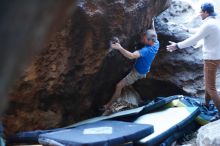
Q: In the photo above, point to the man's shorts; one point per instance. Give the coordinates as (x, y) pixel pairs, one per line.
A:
(132, 77)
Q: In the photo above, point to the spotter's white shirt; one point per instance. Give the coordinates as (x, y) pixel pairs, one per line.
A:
(210, 33)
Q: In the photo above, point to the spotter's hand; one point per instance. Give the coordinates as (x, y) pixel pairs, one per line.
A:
(172, 47)
(116, 46)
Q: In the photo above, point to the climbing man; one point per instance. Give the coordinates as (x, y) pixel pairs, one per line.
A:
(210, 33)
(144, 58)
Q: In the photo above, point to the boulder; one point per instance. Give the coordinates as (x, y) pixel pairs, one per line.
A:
(129, 99)
(209, 135)
(183, 68)
(24, 28)
(75, 74)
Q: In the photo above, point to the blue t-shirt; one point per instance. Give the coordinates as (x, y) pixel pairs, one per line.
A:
(147, 55)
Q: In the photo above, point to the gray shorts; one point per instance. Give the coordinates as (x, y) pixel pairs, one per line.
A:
(132, 77)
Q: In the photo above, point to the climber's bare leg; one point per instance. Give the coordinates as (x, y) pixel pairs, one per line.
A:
(116, 94)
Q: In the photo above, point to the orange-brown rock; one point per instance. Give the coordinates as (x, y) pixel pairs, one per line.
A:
(75, 74)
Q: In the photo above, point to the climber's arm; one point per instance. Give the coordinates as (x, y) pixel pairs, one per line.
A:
(125, 52)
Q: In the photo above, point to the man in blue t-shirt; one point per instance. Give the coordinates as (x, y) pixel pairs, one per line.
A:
(144, 56)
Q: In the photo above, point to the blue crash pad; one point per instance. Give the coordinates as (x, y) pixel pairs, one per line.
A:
(128, 115)
(2, 143)
(206, 113)
(103, 133)
(166, 123)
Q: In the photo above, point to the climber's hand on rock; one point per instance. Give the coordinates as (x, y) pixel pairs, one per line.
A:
(116, 46)
(172, 47)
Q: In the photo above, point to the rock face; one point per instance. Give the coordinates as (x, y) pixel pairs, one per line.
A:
(75, 74)
(129, 99)
(183, 67)
(24, 28)
(209, 135)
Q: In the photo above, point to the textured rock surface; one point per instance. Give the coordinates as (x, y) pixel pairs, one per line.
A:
(129, 99)
(209, 135)
(24, 28)
(75, 74)
(182, 67)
